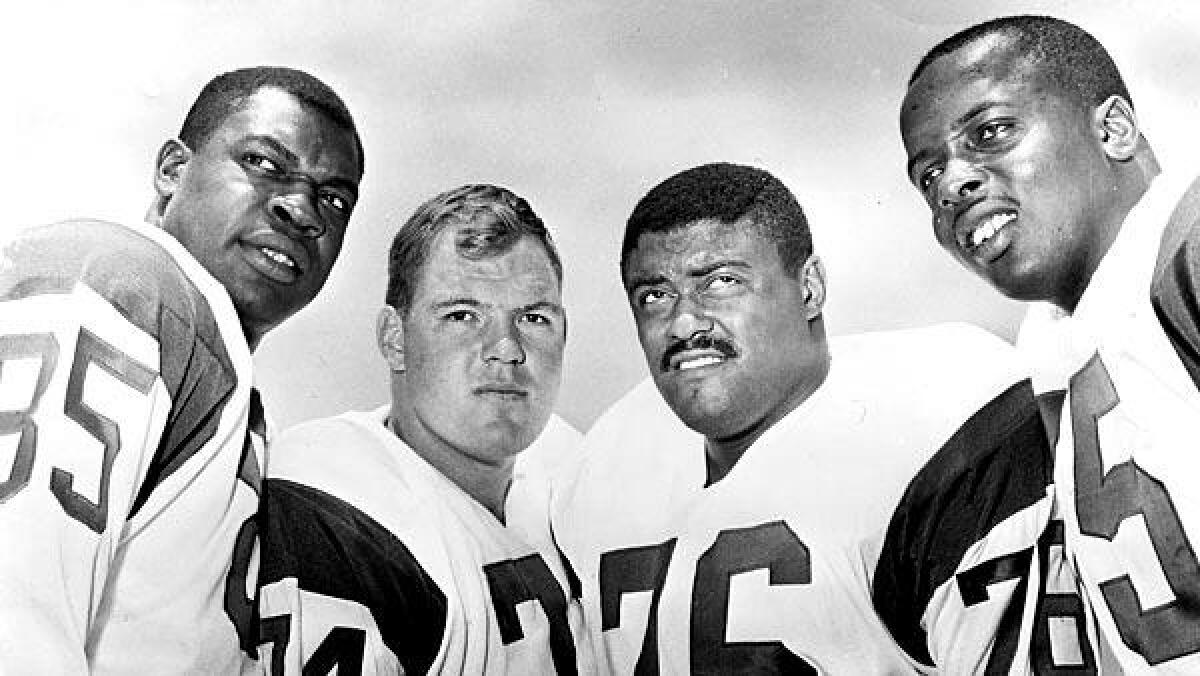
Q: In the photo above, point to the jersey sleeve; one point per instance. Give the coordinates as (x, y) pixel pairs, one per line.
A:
(958, 579)
(100, 338)
(338, 588)
(1175, 290)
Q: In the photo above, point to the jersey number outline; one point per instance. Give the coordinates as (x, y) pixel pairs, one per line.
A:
(528, 578)
(90, 350)
(972, 587)
(1105, 500)
(772, 546)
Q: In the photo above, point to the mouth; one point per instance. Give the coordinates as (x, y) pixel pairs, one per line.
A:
(981, 240)
(279, 260)
(279, 257)
(699, 359)
(501, 392)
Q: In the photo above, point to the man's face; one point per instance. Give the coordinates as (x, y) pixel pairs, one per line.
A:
(263, 204)
(1014, 172)
(483, 345)
(724, 329)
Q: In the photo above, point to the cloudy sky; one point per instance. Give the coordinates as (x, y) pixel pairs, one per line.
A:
(578, 106)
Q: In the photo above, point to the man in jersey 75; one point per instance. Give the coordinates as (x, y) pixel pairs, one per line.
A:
(401, 540)
(1021, 136)
(736, 528)
(127, 419)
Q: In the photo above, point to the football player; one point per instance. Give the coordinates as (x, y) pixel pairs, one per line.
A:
(1022, 138)
(737, 527)
(128, 420)
(401, 540)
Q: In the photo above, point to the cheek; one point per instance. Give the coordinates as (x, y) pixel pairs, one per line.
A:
(651, 337)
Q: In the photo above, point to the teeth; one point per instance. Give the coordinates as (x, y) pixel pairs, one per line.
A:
(278, 257)
(990, 227)
(697, 363)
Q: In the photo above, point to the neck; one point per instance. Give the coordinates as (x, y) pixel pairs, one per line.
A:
(1133, 180)
(487, 483)
(722, 453)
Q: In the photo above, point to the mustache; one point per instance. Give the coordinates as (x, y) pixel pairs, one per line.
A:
(701, 341)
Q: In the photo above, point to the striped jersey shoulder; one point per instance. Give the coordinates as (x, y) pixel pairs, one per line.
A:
(996, 465)
(1175, 289)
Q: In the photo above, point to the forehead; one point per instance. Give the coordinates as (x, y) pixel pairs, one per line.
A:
(702, 243)
(986, 70)
(524, 271)
(273, 113)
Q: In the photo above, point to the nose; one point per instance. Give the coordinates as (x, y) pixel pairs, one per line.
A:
(689, 319)
(295, 209)
(959, 181)
(503, 344)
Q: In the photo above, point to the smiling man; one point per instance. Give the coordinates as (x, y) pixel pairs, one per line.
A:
(403, 540)
(729, 517)
(1022, 138)
(134, 436)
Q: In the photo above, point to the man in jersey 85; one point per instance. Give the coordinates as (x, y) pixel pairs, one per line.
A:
(736, 526)
(402, 540)
(128, 416)
(1022, 138)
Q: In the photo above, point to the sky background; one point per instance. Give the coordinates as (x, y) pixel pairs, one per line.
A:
(580, 107)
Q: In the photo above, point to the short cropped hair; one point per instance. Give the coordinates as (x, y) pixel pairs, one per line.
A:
(495, 219)
(727, 193)
(225, 94)
(1062, 53)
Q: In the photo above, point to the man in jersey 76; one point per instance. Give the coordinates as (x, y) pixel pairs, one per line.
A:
(736, 528)
(401, 540)
(1021, 136)
(127, 418)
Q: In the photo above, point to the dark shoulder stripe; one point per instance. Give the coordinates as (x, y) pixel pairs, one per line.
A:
(996, 464)
(333, 548)
(1173, 290)
(146, 285)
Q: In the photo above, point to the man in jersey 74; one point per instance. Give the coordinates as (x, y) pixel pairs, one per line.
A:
(736, 528)
(401, 540)
(128, 418)
(1022, 137)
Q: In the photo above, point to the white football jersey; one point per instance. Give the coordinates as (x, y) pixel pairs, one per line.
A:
(376, 563)
(127, 511)
(770, 569)
(1126, 460)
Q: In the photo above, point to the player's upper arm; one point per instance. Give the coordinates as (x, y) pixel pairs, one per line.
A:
(982, 497)
(337, 587)
(1175, 291)
(82, 408)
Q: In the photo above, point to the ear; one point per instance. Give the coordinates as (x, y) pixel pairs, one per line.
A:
(1117, 127)
(813, 274)
(389, 335)
(169, 166)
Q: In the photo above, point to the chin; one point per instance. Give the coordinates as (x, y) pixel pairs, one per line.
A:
(505, 438)
(704, 417)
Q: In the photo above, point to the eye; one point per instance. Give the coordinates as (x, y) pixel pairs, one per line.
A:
(991, 131)
(459, 316)
(651, 297)
(720, 282)
(260, 162)
(929, 177)
(337, 201)
(536, 318)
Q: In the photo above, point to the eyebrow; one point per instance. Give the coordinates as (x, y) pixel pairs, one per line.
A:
(471, 302)
(542, 305)
(646, 280)
(702, 271)
(708, 269)
(338, 182)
